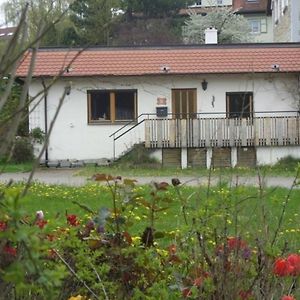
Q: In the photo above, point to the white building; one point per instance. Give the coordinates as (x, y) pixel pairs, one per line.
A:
(286, 20)
(217, 105)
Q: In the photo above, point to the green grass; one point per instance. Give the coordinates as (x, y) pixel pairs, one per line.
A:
(243, 205)
(13, 168)
(285, 170)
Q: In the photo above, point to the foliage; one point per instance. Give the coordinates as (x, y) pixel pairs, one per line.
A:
(38, 135)
(150, 31)
(26, 272)
(93, 20)
(10, 107)
(48, 11)
(138, 156)
(168, 241)
(22, 150)
(232, 27)
(154, 8)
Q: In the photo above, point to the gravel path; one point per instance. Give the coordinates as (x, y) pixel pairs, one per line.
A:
(68, 177)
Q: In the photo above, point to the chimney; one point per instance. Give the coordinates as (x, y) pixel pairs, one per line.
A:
(211, 35)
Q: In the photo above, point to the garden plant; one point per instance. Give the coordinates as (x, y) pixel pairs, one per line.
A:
(162, 241)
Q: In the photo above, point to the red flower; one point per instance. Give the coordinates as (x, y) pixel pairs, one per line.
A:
(41, 223)
(282, 267)
(287, 266)
(3, 226)
(288, 297)
(294, 261)
(236, 243)
(10, 250)
(72, 220)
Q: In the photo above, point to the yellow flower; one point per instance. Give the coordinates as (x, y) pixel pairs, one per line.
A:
(76, 298)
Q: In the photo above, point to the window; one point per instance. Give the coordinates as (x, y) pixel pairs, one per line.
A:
(111, 106)
(219, 2)
(254, 26)
(239, 104)
(258, 25)
(184, 103)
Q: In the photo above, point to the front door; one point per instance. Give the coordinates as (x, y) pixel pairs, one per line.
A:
(184, 103)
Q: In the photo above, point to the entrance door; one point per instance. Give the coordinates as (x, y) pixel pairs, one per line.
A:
(184, 103)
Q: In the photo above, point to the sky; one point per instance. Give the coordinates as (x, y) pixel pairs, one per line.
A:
(1, 13)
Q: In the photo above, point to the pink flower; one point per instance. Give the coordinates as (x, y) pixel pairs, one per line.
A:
(39, 215)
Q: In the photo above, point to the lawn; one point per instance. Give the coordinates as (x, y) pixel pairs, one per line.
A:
(286, 167)
(151, 242)
(12, 167)
(243, 205)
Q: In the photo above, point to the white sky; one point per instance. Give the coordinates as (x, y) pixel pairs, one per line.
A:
(1, 13)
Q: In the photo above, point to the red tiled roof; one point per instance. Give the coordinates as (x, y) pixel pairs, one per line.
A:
(255, 58)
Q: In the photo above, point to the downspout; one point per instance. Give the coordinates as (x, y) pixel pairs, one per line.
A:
(46, 118)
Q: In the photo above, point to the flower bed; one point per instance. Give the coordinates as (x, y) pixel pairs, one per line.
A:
(161, 242)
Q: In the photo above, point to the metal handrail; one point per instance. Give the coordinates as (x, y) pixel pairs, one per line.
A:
(135, 122)
(130, 122)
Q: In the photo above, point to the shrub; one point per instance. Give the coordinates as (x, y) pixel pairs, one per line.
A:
(22, 150)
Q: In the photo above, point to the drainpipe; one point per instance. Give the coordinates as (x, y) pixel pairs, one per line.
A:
(46, 118)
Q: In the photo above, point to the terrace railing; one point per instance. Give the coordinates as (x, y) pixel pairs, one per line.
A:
(214, 130)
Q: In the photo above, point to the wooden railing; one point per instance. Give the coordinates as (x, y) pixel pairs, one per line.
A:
(222, 132)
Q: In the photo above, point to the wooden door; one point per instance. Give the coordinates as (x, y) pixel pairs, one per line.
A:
(184, 103)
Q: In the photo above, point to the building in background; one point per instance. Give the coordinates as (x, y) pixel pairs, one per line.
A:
(257, 12)
(259, 15)
(286, 20)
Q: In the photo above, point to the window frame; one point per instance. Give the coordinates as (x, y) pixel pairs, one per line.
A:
(228, 112)
(112, 103)
(251, 25)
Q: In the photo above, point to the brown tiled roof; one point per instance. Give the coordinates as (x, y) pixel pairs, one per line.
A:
(246, 6)
(253, 58)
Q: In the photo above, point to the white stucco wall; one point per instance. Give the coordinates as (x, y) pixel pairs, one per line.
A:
(262, 37)
(271, 155)
(73, 138)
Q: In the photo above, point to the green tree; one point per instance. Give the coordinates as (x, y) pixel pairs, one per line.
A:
(93, 20)
(154, 8)
(148, 22)
(232, 28)
(48, 10)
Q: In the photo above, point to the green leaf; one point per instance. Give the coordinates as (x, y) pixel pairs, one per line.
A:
(159, 234)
